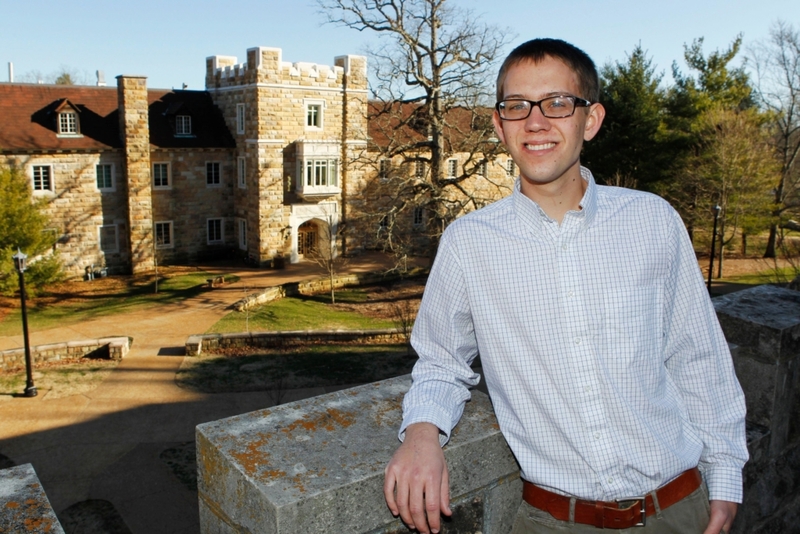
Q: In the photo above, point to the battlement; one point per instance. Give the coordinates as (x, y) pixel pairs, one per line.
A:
(266, 65)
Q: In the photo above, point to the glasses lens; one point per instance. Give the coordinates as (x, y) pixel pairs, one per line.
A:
(514, 109)
(558, 106)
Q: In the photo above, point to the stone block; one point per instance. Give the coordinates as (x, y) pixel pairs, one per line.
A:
(24, 507)
(317, 465)
(764, 324)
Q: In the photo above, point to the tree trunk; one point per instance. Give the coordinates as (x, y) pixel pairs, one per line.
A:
(771, 242)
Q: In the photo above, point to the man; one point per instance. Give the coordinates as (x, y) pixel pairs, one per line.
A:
(606, 365)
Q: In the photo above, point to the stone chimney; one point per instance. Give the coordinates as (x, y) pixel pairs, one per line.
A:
(135, 133)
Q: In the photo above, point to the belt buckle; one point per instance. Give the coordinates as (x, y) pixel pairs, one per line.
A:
(642, 510)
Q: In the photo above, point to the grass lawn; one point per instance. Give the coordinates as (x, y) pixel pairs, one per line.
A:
(63, 309)
(302, 313)
(767, 276)
(57, 381)
(308, 366)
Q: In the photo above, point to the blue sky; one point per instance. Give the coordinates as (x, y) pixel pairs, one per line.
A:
(168, 40)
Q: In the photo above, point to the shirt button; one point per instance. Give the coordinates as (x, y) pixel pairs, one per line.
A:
(610, 480)
(587, 389)
(571, 294)
(577, 341)
(597, 435)
(564, 247)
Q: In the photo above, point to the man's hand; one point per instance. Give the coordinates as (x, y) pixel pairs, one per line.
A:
(722, 514)
(417, 487)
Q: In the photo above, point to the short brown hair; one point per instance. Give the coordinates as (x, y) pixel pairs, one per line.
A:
(576, 59)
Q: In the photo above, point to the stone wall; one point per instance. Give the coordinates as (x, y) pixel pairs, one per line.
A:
(114, 348)
(24, 507)
(316, 466)
(76, 208)
(764, 324)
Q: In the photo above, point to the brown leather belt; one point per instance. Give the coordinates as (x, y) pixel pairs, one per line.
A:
(603, 514)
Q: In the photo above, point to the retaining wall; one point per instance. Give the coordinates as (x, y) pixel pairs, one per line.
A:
(114, 348)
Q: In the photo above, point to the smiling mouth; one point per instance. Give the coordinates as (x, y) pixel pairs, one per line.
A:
(543, 146)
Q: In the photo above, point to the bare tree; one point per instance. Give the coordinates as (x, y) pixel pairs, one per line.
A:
(431, 84)
(325, 252)
(776, 63)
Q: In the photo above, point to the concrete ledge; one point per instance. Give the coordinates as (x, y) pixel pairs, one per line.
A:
(24, 507)
(210, 342)
(114, 348)
(316, 466)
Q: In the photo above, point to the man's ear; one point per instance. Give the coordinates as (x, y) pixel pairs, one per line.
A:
(594, 120)
(498, 127)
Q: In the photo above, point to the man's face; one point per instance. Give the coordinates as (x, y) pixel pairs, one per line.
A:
(547, 151)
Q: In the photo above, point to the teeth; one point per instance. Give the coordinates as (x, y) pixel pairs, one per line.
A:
(543, 146)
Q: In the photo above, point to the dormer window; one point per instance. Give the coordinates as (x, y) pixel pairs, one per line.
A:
(68, 123)
(183, 125)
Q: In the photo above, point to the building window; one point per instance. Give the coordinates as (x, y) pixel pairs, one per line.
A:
(109, 238)
(511, 168)
(243, 234)
(214, 231)
(314, 114)
(161, 175)
(419, 169)
(68, 123)
(164, 234)
(419, 214)
(212, 173)
(452, 168)
(241, 172)
(483, 169)
(322, 173)
(105, 177)
(183, 125)
(42, 178)
(239, 118)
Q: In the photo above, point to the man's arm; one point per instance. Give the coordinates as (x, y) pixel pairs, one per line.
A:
(417, 486)
(699, 362)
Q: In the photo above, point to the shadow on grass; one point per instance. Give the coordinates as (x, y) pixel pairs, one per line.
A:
(309, 366)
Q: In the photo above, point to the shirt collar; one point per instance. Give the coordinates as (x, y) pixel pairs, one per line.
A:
(533, 215)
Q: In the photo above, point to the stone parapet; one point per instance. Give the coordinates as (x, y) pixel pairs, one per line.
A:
(24, 507)
(114, 348)
(764, 324)
(316, 466)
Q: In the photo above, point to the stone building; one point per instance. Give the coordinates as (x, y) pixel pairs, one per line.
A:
(260, 165)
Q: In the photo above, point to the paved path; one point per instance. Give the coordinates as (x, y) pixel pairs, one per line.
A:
(114, 443)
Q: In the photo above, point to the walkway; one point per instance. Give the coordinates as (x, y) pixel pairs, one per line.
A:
(130, 442)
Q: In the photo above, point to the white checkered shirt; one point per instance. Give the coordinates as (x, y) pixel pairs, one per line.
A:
(607, 368)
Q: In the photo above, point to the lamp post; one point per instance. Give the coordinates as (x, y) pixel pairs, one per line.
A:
(20, 266)
(716, 209)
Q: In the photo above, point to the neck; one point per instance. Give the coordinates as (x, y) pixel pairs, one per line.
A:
(556, 198)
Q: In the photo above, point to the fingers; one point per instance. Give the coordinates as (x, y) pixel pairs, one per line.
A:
(722, 514)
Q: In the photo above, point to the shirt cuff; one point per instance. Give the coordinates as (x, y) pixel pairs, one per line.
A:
(724, 482)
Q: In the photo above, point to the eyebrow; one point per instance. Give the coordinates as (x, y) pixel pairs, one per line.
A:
(546, 95)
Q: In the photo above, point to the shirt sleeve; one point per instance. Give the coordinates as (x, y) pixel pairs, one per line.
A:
(444, 338)
(700, 364)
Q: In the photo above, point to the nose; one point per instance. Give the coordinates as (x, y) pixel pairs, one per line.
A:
(536, 120)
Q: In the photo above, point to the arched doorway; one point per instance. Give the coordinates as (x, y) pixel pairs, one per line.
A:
(306, 238)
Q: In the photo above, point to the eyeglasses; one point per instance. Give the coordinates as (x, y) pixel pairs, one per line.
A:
(553, 107)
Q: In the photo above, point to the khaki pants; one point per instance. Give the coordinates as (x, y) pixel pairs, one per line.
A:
(689, 516)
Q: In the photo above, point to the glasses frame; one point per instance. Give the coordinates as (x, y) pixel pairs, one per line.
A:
(577, 102)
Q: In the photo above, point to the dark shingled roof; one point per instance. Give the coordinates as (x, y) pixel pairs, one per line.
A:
(28, 115)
